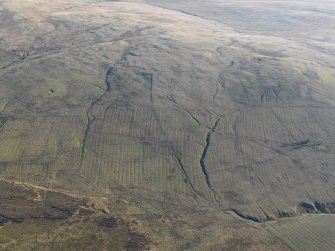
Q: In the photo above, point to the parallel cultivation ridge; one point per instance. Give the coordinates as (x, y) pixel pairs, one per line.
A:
(167, 125)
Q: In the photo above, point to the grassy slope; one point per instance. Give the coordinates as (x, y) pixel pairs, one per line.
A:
(110, 99)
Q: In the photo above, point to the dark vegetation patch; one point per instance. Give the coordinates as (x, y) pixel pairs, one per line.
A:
(107, 222)
(236, 243)
(147, 77)
(85, 212)
(317, 207)
(132, 53)
(110, 76)
(36, 209)
(221, 80)
(245, 216)
(300, 144)
(306, 143)
(20, 203)
(306, 208)
(302, 208)
(105, 66)
(268, 93)
(191, 244)
(136, 241)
